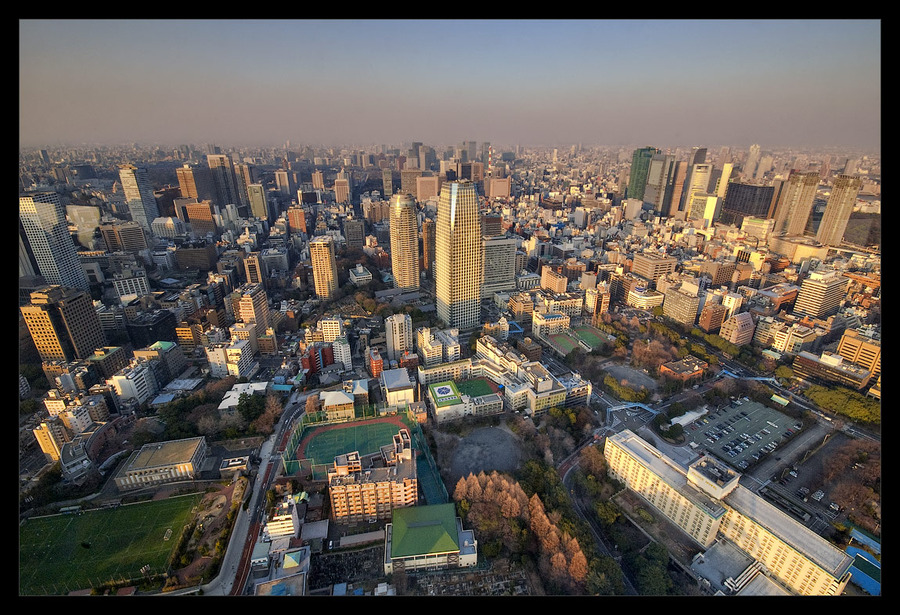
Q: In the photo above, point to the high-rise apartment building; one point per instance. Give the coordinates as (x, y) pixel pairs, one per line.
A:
(458, 256)
(324, 266)
(43, 219)
(252, 307)
(795, 202)
(640, 166)
(341, 190)
(398, 334)
(63, 323)
(838, 210)
(331, 328)
(821, 294)
(139, 195)
(387, 183)
(404, 229)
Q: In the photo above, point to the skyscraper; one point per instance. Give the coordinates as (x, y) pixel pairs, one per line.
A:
(321, 253)
(195, 182)
(838, 210)
(696, 183)
(63, 323)
(795, 202)
(458, 256)
(404, 230)
(225, 181)
(259, 202)
(139, 195)
(428, 243)
(752, 160)
(387, 181)
(640, 166)
(44, 222)
(660, 174)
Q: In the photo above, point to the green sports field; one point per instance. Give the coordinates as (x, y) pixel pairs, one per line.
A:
(475, 387)
(63, 553)
(366, 437)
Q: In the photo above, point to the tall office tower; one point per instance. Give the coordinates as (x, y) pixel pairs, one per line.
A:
(139, 195)
(408, 181)
(324, 267)
(63, 323)
(724, 156)
(259, 201)
(640, 165)
(499, 266)
(674, 200)
(765, 165)
(252, 307)
(486, 154)
(838, 210)
(821, 294)
(697, 182)
(44, 223)
(244, 174)
(296, 217)
(203, 218)
(428, 244)
(795, 202)
(318, 180)
(355, 233)
(706, 207)
(195, 182)
(123, 236)
(721, 187)
(459, 257)
(341, 190)
(399, 335)
(404, 230)
(742, 200)
(748, 171)
(428, 187)
(225, 181)
(659, 180)
(255, 269)
(387, 181)
(284, 182)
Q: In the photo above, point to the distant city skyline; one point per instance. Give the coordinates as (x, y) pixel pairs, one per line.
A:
(779, 83)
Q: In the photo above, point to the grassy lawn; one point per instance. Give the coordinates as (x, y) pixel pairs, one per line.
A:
(63, 553)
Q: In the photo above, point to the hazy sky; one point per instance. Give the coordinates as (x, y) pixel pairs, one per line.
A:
(539, 82)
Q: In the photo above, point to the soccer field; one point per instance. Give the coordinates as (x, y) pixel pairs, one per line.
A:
(63, 553)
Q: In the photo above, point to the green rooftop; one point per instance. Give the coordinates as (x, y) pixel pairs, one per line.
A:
(445, 394)
(424, 530)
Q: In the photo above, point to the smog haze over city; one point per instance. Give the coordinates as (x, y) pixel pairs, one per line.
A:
(795, 83)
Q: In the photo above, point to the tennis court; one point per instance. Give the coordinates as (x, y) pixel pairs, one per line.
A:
(62, 553)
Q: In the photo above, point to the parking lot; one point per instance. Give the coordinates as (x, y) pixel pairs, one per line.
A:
(741, 433)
